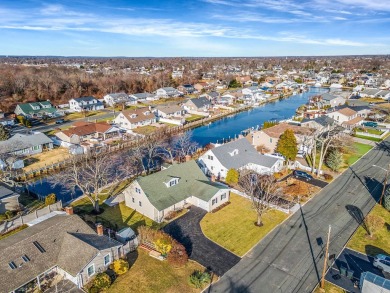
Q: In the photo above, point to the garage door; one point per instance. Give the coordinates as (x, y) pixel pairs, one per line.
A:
(203, 204)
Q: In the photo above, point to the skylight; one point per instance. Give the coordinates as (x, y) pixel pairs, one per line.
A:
(39, 247)
(25, 258)
(12, 265)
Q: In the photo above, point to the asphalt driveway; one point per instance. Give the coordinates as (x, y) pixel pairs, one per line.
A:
(354, 261)
(314, 181)
(187, 231)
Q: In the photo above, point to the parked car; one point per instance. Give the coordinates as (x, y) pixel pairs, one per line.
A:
(303, 175)
(60, 121)
(278, 155)
(382, 262)
(301, 154)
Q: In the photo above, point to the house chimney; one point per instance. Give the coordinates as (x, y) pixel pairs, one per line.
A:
(69, 210)
(187, 158)
(213, 178)
(99, 229)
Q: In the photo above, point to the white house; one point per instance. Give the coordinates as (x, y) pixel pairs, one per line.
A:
(134, 118)
(238, 154)
(167, 92)
(85, 104)
(346, 117)
(160, 193)
(117, 98)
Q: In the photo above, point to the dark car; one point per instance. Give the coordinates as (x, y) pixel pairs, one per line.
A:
(303, 175)
(60, 121)
(370, 124)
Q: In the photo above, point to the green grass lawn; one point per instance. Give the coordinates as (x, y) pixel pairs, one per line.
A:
(78, 115)
(380, 242)
(359, 150)
(150, 275)
(145, 130)
(233, 226)
(368, 137)
(370, 130)
(194, 118)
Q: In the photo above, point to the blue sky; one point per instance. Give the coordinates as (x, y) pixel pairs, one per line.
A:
(195, 28)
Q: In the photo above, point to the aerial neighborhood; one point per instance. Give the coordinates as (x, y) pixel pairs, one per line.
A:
(149, 164)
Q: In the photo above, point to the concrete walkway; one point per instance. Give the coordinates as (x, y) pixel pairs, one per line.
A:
(365, 141)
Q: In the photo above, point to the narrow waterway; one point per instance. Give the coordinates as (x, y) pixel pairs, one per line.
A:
(229, 127)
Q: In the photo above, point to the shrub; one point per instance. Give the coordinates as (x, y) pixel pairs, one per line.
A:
(328, 176)
(50, 199)
(198, 278)
(120, 266)
(232, 176)
(178, 255)
(93, 290)
(102, 281)
(9, 214)
(172, 214)
(374, 223)
(220, 207)
(163, 244)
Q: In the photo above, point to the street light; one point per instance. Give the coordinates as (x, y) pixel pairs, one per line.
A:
(384, 182)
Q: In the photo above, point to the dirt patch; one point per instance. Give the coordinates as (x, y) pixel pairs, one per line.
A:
(292, 188)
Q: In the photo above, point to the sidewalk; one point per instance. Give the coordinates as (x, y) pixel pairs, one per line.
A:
(365, 141)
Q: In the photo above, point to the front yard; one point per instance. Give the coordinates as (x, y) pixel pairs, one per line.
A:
(233, 226)
(379, 243)
(79, 115)
(147, 274)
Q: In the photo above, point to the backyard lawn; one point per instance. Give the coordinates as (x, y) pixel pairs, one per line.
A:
(233, 226)
(370, 130)
(359, 151)
(379, 243)
(45, 158)
(145, 130)
(147, 274)
(194, 118)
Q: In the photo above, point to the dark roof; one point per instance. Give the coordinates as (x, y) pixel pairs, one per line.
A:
(22, 141)
(328, 97)
(200, 102)
(85, 99)
(355, 107)
(322, 120)
(65, 243)
(246, 155)
(5, 192)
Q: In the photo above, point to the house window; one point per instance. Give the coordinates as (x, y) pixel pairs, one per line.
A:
(223, 196)
(132, 199)
(210, 157)
(91, 270)
(137, 190)
(214, 201)
(107, 259)
(140, 203)
(270, 140)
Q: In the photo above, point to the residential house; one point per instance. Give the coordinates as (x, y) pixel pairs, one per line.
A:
(158, 194)
(375, 93)
(26, 144)
(141, 97)
(319, 123)
(130, 119)
(186, 89)
(85, 104)
(118, 98)
(173, 114)
(346, 117)
(268, 138)
(244, 80)
(9, 200)
(62, 246)
(37, 110)
(196, 105)
(329, 100)
(238, 154)
(200, 86)
(83, 131)
(167, 92)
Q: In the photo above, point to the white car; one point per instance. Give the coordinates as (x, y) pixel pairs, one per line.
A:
(301, 154)
(382, 262)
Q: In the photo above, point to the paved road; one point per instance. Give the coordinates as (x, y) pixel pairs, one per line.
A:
(187, 231)
(354, 261)
(289, 259)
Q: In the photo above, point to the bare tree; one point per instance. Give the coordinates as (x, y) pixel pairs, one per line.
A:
(262, 189)
(184, 145)
(90, 174)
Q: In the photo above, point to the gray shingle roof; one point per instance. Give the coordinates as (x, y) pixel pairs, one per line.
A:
(85, 99)
(200, 102)
(5, 192)
(328, 97)
(62, 238)
(192, 182)
(246, 155)
(22, 141)
(322, 120)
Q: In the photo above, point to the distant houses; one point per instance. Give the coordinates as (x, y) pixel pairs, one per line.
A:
(167, 92)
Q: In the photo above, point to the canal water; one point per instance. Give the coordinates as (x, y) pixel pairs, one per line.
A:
(217, 131)
(232, 126)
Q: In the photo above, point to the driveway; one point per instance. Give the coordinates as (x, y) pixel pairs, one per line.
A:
(314, 181)
(354, 261)
(187, 231)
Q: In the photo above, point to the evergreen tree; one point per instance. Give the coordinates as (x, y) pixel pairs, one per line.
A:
(334, 160)
(4, 133)
(232, 176)
(234, 84)
(287, 145)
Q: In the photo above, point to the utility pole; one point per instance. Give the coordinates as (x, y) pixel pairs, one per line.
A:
(325, 260)
(384, 185)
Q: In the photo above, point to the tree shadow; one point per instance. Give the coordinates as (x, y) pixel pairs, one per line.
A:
(383, 146)
(176, 232)
(373, 250)
(387, 225)
(357, 215)
(233, 287)
(132, 257)
(130, 217)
